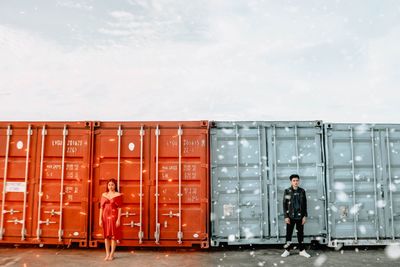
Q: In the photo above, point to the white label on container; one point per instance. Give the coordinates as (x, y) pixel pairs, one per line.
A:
(76, 233)
(131, 146)
(196, 235)
(228, 210)
(20, 144)
(15, 187)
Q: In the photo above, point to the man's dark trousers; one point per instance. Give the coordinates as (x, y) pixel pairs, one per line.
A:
(300, 233)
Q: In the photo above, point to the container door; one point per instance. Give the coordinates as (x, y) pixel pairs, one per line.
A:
(355, 157)
(296, 148)
(17, 158)
(178, 192)
(121, 153)
(239, 206)
(61, 193)
(390, 141)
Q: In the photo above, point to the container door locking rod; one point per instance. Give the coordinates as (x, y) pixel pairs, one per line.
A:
(2, 230)
(28, 143)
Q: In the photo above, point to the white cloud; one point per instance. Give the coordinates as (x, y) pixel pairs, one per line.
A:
(215, 60)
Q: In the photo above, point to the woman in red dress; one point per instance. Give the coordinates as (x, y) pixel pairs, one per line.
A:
(110, 218)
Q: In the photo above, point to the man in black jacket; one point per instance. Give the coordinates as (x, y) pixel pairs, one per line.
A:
(295, 210)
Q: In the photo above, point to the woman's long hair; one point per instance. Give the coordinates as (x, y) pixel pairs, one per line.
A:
(114, 182)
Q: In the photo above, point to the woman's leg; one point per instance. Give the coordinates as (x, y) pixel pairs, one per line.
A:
(113, 247)
(107, 245)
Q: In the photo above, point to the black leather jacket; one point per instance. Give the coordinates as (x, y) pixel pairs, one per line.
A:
(288, 205)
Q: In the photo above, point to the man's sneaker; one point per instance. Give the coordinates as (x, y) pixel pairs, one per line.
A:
(285, 253)
(304, 254)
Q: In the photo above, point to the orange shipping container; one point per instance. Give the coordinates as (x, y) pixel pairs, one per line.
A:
(162, 172)
(56, 176)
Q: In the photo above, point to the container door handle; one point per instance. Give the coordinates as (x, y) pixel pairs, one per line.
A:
(47, 222)
(15, 221)
(132, 224)
(127, 214)
(11, 211)
(170, 214)
(53, 212)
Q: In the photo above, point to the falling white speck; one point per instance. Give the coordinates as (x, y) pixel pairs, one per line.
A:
(317, 207)
(358, 158)
(231, 238)
(227, 131)
(340, 186)
(381, 203)
(392, 251)
(244, 142)
(392, 187)
(248, 234)
(224, 170)
(342, 196)
(320, 260)
(363, 230)
(355, 209)
(362, 128)
(221, 157)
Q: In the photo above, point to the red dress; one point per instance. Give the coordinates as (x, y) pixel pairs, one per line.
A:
(110, 216)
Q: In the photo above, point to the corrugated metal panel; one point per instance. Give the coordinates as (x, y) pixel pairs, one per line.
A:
(363, 172)
(173, 210)
(61, 191)
(251, 165)
(54, 167)
(17, 169)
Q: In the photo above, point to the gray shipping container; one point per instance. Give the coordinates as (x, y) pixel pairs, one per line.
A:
(363, 173)
(250, 167)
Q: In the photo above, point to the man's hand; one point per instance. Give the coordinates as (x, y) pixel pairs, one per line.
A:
(287, 220)
(304, 220)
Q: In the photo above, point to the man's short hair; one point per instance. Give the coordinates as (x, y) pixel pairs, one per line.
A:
(294, 176)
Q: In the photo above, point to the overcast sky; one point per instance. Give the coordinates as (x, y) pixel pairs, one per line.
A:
(186, 60)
